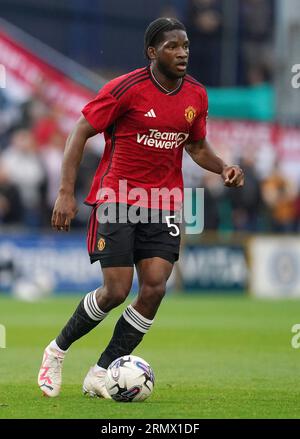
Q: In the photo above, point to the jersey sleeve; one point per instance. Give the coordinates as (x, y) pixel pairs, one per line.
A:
(103, 110)
(198, 129)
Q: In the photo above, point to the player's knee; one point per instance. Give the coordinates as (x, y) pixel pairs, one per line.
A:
(118, 293)
(153, 292)
(114, 294)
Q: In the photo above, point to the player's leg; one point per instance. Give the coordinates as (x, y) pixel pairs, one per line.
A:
(153, 274)
(118, 282)
(137, 318)
(112, 245)
(155, 252)
(95, 306)
(92, 309)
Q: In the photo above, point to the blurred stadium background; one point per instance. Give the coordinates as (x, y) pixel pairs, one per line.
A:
(54, 56)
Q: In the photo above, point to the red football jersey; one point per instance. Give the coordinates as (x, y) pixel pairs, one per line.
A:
(146, 128)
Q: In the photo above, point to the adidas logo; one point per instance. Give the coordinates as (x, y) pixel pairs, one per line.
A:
(150, 113)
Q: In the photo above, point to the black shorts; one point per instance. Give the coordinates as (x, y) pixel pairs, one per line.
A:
(122, 242)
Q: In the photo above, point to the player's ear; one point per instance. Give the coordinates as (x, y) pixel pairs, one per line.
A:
(151, 53)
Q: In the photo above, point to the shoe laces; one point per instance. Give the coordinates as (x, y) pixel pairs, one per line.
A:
(55, 363)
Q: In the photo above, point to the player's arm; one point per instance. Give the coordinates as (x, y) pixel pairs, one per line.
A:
(65, 207)
(202, 154)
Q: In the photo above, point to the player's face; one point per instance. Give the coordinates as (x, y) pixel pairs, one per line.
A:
(172, 54)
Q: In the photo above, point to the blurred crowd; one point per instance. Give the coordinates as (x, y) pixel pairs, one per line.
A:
(32, 142)
(268, 202)
(241, 31)
(31, 151)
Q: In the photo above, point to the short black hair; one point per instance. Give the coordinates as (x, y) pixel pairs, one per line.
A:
(155, 30)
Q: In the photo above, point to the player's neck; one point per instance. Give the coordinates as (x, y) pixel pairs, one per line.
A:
(168, 84)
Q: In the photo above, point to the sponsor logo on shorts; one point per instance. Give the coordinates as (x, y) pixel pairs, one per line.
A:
(101, 244)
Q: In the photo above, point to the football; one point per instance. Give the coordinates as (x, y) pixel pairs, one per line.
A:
(129, 379)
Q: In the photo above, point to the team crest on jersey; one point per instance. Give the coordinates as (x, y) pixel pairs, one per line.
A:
(190, 114)
(101, 244)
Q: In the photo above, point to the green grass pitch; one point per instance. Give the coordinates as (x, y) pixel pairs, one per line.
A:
(213, 357)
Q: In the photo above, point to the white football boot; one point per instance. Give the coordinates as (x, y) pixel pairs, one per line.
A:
(94, 384)
(50, 374)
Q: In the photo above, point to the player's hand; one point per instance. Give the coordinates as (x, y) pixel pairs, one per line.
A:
(65, 209)
(233, 176)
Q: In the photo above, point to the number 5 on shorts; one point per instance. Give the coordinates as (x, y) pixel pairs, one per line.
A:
(175, 231)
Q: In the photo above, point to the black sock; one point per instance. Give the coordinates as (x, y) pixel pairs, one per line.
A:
(129, 332)
(86, 317)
